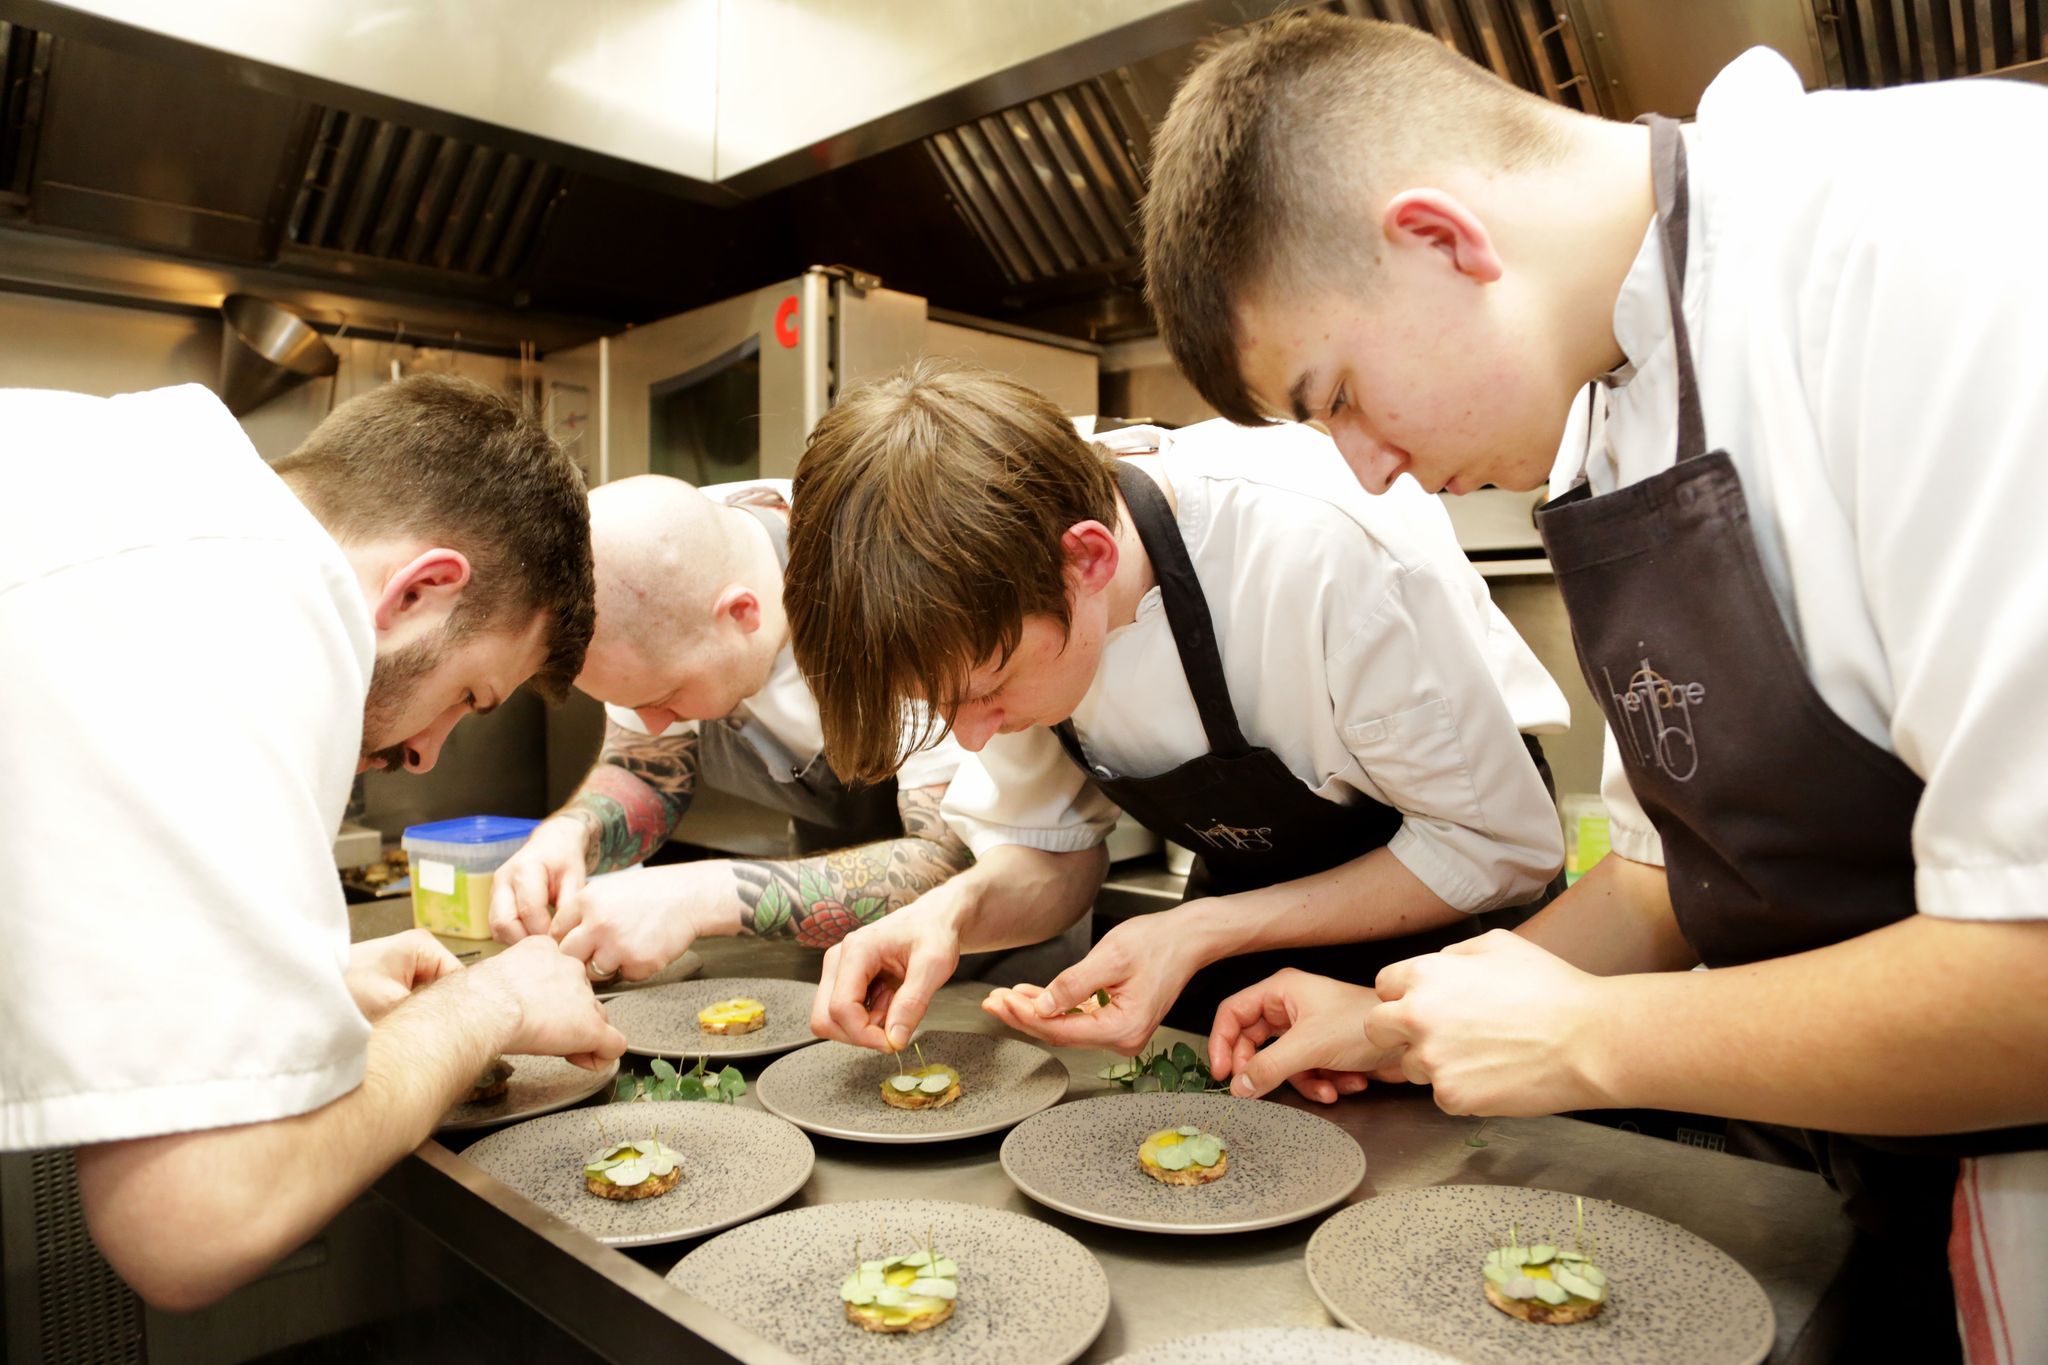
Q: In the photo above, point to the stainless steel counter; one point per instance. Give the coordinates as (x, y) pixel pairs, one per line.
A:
(1783, 1225)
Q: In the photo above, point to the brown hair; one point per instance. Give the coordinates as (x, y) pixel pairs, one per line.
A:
(925, 524)
(455, 461)
(1270, 146)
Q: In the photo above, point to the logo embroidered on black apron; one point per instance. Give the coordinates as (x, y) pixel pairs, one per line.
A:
(1656, 716)
(1234, 837)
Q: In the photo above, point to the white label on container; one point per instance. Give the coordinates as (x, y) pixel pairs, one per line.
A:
(438, 878)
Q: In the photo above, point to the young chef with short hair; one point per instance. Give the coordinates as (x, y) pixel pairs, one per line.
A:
(1217, 633)
(1795, 521)
(202, 653)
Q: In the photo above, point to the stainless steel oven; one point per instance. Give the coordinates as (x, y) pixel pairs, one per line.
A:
(731, 390)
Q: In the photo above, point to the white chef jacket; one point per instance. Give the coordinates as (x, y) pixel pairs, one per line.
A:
(1881, 384)
(1870, 334)
(181, 712)
(785, 706)
(1358, 645)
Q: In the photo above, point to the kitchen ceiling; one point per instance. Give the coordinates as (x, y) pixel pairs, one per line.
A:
(1026, 210)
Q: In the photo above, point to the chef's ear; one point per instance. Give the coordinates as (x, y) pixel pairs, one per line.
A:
(422, 591)
(1091, 554)
(1441, 223)
(741, 605)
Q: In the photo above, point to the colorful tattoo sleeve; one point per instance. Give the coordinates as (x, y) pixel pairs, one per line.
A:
(633, 798)
(818, 901)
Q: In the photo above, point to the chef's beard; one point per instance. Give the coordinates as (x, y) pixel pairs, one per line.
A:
(393, 680)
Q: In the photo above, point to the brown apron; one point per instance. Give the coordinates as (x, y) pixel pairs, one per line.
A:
(1783, 828)
(1251, 822)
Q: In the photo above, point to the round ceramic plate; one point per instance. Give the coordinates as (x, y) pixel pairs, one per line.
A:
(539, 1085)
(1408, 1265)
(1082, 1159)
(836, 1089)
(682, 969)
(736, 1164)
(1028, 1292)
(1286, 1346)
(661, 1021)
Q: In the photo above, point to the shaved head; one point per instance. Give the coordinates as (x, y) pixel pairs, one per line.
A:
(667, 556)
(662, 556)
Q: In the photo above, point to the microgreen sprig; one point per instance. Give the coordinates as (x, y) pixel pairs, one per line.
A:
(670, 1083)
(1179, 1068)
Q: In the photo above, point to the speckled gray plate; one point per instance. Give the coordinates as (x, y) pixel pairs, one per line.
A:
(682, 969)
(661, 1021)
(1028, 1292)
(1082, 1159)
(539, 1085)
(1286, 1346)
(736, 1163)
(1407, 1265)
(836, 1089)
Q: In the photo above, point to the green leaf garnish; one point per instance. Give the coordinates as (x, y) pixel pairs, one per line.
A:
(669, 1084)
(1179, 1068)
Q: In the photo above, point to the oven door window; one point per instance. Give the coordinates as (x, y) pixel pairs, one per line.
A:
(705, 425)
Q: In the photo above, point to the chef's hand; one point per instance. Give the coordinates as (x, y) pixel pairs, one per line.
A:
(632, 925)
(1314, 1032)
(1143, 964)
(550, 1010)
(1496, 1024)
(383, 971)
(548, 871)
(877, 982)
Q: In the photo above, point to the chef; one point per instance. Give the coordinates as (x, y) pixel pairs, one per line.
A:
(692, 661)
(202, 652)
(1795, 521)
(1218, 634)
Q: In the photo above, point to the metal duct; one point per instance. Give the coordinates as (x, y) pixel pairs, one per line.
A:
(1531, 43)
(378, 189)
(266, 349)
(1871, 43)
(1051, 186)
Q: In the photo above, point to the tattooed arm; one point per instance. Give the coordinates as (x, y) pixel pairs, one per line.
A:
(818, 901)
(630, 802)
(639, 924)
(634, 796)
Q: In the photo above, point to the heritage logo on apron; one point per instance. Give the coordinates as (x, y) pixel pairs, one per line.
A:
(1657, 719)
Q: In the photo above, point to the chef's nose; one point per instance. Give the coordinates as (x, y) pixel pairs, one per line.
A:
(974, 726)
(423, 750)
(1374, 465)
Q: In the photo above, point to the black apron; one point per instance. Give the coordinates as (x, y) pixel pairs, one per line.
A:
(740, 756)
(1783, 828)
(1250, 821)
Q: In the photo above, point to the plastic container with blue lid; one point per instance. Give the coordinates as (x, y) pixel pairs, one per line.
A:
(453, 862)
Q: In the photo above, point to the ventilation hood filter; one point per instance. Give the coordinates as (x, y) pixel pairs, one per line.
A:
(264, 350)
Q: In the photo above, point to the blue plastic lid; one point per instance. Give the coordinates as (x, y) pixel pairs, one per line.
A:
(473, 829)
